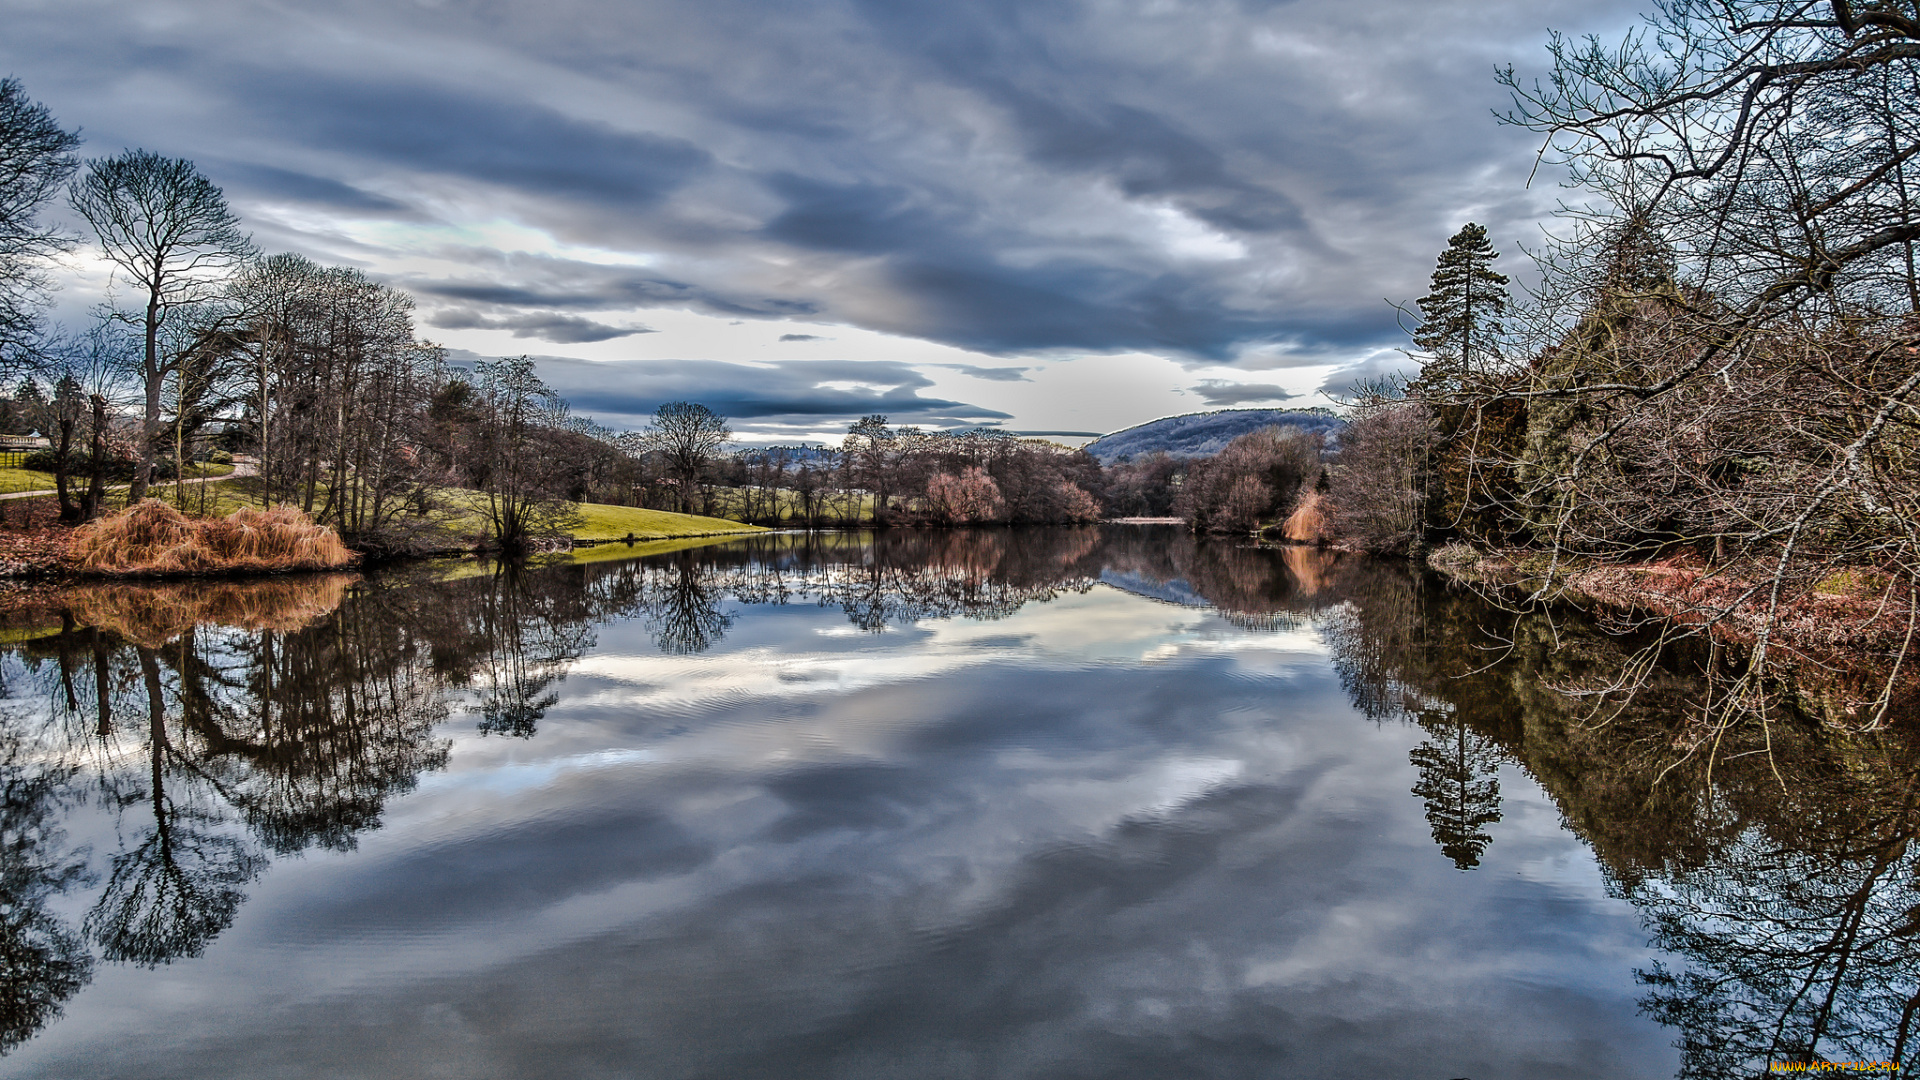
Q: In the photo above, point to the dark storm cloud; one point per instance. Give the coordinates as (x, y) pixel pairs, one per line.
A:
(550, 282)
(559, 329)
(1220, 392)
(269, 182)
(767, 396)
(1190, 178)
(498, 141)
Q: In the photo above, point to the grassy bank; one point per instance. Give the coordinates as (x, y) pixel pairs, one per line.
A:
(463, 515)
(34, 544)
(12, 480)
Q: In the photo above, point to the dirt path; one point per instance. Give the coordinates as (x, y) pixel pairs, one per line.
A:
(239, 470)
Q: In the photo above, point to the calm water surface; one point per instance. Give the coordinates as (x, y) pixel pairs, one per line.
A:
(1076, 803)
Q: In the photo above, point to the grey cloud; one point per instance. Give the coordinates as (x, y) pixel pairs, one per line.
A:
(799, 393)
(1345, 382)
(277, 183)
(559, 329)
(1223, 392)
(801, 337)
(913, 168)
(991, 374)
(504, 142)
(550, 282)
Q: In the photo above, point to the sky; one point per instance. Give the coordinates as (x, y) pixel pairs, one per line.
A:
(1039, 215)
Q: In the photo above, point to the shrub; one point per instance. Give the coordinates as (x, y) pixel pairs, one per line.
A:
(154, 538)
(970, 497)
(43, 460)
(118, 471)
(1311, 522)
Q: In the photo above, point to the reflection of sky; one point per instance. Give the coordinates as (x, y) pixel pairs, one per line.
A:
(1103, 836)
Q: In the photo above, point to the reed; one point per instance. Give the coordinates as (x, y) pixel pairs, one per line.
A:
(154, 539)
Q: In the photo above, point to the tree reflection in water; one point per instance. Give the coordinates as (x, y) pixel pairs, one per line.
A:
(43, 961)
(1779, 877)
(226, 725)
(219, 724)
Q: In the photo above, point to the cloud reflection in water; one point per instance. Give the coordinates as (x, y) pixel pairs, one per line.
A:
(1098, 804)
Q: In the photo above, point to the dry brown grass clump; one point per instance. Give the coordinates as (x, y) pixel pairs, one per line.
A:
(152, 614)
(154, 538)
(1311, 522)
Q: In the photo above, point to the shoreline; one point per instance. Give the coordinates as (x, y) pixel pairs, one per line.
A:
(1729, 603)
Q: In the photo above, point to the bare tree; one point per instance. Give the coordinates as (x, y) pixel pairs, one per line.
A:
(524, 483)
(168, 229)
(340, 393)
(1726, 343)
(687, 435)
(36, 157)
(89, 374)
(1378, 489)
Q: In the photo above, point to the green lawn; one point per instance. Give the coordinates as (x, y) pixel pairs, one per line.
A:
(215, 498)
(599, 521)
(32, 480)
(26, 480)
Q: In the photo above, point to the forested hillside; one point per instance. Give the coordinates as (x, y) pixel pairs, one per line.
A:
(1204, 434)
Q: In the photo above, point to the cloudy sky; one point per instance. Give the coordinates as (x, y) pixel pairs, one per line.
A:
(1047, 215)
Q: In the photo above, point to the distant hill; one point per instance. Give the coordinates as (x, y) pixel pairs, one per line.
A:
(1204, 434)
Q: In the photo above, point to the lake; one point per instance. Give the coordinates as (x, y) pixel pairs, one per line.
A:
(1096, 802)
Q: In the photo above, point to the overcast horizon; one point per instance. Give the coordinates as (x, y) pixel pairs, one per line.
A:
(1042, 216)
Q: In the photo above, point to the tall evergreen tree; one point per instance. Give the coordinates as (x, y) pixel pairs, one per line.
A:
(1462, 317)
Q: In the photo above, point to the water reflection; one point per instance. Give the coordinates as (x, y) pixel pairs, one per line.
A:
(161, 748)
(1778, 876)
(218, 724)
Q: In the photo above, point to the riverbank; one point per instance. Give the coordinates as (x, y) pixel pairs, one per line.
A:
(35, 545)
(1843, 636)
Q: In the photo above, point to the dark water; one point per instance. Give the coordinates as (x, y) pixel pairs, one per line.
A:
(1049, 804)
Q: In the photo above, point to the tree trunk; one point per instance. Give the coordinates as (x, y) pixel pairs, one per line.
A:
(97, 467)
(180, 447)
(150, 422)
(63, 465)
(266, 486)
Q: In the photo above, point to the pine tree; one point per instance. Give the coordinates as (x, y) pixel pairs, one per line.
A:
(1462, 317)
